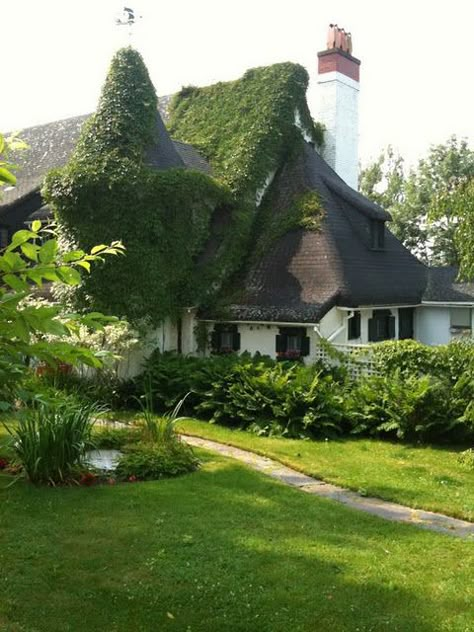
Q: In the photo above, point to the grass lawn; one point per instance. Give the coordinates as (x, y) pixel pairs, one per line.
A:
(224, 549)
(420, 477)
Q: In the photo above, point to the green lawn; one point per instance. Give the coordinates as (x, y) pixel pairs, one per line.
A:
(420, 477)
(224, 549)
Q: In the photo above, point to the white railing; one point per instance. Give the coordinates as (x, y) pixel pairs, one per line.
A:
(356, 358)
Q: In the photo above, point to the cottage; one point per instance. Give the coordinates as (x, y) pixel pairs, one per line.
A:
(322, 262)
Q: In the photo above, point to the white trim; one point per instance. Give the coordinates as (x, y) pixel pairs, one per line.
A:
(276, 323)
(448, 304)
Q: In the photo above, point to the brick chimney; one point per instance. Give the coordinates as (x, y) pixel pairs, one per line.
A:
(336, 103)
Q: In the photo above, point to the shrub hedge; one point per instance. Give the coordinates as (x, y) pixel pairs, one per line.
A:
(419, 393)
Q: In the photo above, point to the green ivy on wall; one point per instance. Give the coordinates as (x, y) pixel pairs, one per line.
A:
(108, 192)
(185, 232)
(246, 128)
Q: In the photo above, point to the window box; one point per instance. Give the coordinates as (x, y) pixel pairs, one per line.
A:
(292, 343)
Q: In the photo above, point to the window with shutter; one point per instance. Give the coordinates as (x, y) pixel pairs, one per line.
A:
(354, 327)
(291, 343)
(381, 325)
(405, 323)
(225, 338)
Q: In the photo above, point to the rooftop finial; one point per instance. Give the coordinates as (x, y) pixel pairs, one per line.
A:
(339, 39)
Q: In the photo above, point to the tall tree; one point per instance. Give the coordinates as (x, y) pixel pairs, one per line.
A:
(462, 207)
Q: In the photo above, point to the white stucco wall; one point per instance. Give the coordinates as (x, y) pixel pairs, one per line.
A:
(188, 339)
(330, 323)
(258, 337)
(432, 325)
(334, 101)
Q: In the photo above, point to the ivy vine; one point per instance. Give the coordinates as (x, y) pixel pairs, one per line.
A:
(246, 127)
(185, 232)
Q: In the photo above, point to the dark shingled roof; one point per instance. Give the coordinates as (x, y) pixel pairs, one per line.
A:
(51, 145)
(443, 288)
(307, 272)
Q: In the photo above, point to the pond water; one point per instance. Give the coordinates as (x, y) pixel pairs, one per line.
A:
(105, 460)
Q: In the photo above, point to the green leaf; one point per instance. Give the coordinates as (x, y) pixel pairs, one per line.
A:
(97, 249)
(7, 176)
(84, 264)
(15, 282)
(70, 276)
(30, 251)
(73, 255)
(19, 238)
(36, 225)
(48, 251)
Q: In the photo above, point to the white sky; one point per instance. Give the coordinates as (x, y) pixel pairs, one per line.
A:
(416, 74)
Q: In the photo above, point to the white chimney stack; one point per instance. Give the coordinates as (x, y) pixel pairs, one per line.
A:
(337, 104)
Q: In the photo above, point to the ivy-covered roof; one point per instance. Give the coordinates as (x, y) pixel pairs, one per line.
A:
(246, 128)
(260, 228)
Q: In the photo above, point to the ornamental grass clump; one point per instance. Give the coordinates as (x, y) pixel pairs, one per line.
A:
(52, 439)
(160, 451)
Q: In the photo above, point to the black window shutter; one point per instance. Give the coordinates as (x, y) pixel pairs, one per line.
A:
(372, 330)
(215, 340)
(354, 326)
(305, 346)
(391, 326)
(280, 343)
(235, 341)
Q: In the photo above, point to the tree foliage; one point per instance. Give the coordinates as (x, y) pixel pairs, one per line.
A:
(421, 202)
(7, 168)
(462, 205)
(25, 266)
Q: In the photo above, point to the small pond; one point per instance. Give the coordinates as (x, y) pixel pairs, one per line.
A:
(104, 460)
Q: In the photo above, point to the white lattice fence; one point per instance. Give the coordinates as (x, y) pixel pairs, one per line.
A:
(357, 358)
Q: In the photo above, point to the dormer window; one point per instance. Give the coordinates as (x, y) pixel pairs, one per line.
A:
(377, 234)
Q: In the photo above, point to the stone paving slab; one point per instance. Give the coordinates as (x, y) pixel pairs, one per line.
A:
(375, 506)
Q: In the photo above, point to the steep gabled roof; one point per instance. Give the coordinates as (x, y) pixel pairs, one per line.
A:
(306, 272)
(442, 286)
(51, 145)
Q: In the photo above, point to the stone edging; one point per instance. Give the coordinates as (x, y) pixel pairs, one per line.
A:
(375, 506)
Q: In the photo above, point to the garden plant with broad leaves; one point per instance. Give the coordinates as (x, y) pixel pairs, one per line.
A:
(31, 260)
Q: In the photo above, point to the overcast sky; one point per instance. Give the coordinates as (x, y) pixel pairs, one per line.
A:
(416, 74)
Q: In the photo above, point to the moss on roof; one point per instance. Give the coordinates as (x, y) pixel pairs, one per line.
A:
(246, 128)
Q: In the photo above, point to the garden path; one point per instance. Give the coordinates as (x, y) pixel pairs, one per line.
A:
(382, 508)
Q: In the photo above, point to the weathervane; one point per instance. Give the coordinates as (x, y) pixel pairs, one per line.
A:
(127, 17)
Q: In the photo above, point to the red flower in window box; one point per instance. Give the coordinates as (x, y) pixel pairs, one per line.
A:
(3, 464)
(289, 355)
(225, 350)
